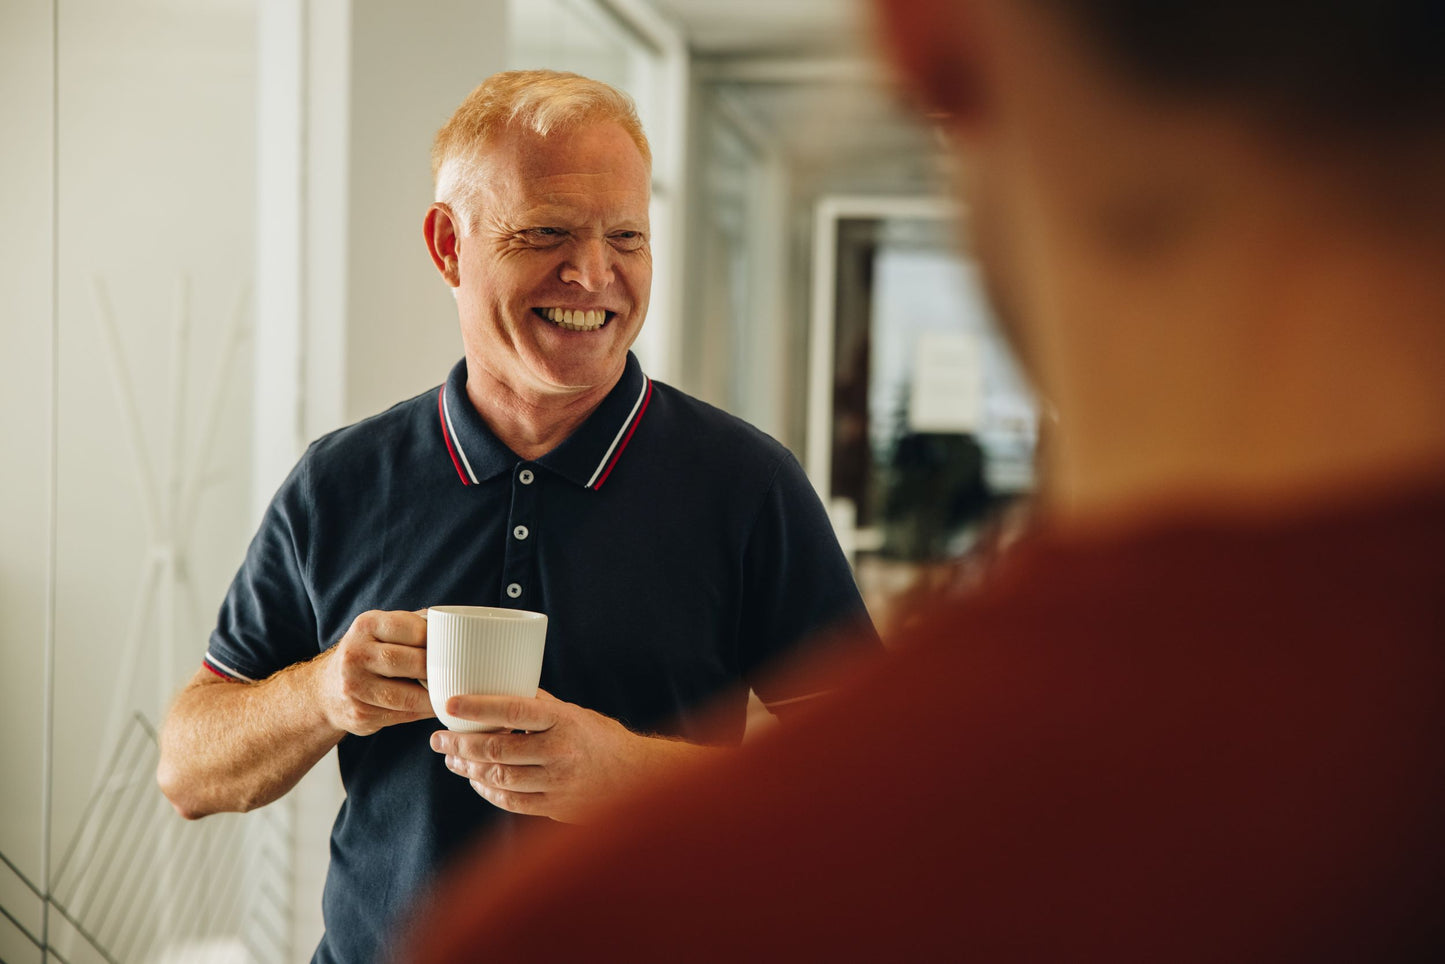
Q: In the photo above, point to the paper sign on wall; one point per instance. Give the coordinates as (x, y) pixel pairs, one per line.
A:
(947, 390)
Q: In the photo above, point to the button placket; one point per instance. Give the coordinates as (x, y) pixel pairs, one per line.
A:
(520, 580)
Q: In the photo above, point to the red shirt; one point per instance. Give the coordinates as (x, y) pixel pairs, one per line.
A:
(1199, 740)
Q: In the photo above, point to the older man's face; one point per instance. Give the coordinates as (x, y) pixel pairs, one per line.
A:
(556, 269)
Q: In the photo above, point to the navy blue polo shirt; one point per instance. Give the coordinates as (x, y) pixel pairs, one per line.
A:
(676, 551)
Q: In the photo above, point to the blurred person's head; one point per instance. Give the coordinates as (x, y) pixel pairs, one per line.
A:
(1209, 227)
(540, 227)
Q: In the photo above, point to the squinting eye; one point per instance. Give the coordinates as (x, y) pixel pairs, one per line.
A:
(629, 240)
(543, 235)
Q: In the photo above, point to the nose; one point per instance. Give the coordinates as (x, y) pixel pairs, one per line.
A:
(589, 264)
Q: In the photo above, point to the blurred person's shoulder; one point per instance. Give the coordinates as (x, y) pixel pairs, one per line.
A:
(1190, 739)
(1340, 563)
(1195, 712)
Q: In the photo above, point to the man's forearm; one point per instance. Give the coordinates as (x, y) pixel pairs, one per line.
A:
(237, 746)
(665, 753)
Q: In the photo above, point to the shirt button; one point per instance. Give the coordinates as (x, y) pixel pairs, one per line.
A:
(514, 590)
(520, 532)
(525, 476)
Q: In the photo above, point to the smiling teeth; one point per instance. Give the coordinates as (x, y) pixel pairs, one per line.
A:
(575, 320)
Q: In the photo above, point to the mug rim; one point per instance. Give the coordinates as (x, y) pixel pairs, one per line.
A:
(490, 611)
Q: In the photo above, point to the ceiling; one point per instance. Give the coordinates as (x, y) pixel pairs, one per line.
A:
(725, 27)
(804, 74)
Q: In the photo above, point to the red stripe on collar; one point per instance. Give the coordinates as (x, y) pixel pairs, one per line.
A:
(636, 420)
(447, 437)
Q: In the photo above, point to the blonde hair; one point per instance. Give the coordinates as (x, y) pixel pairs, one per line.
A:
(541, 101)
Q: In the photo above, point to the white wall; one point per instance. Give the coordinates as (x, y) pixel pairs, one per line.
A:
(411, 66)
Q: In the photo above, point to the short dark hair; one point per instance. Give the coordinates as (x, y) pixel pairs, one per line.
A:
(1354, 63)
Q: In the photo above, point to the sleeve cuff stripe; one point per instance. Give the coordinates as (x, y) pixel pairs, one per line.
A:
(221, 669)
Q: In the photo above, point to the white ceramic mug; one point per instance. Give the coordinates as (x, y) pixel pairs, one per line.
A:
(481, 650)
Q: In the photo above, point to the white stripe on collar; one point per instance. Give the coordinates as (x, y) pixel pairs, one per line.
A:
(620, 432)
(447, 412)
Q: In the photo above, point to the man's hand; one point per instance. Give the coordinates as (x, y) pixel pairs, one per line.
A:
(368, 680)
(568, 760)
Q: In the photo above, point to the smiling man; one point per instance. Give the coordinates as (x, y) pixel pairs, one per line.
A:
(678, 552)
(544, 241)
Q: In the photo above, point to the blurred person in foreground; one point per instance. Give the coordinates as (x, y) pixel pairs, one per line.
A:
(676, 550)
(1199, 714)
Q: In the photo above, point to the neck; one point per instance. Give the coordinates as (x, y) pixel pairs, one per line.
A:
(530, 422)
(1274, 358)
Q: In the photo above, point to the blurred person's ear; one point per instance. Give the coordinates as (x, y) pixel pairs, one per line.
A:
(937, 48)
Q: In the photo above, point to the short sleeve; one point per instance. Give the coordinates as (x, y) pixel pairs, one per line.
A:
(267, 621)
(798, 591)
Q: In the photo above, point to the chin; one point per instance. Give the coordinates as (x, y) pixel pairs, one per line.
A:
(579, 375)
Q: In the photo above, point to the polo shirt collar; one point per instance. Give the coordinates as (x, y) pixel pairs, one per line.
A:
(585, 458)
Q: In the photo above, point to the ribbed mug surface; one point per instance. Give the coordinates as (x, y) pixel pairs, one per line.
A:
(481, 650)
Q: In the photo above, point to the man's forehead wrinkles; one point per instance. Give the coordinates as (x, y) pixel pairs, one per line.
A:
(560, 187)
(528, 172)
(539, 174)
(608, 205)
(580, 196)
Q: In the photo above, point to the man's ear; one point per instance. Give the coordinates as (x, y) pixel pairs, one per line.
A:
(443, 240)
(936, 47)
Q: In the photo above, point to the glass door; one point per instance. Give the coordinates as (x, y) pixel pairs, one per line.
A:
(921, 427)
